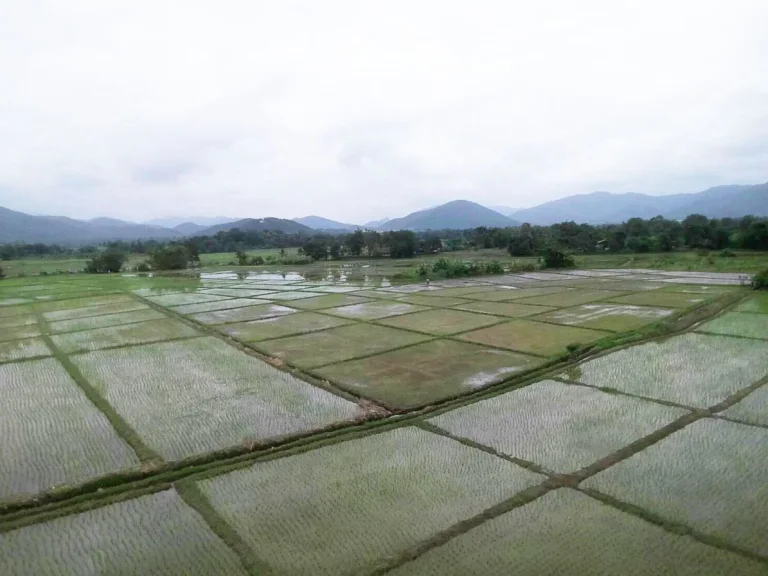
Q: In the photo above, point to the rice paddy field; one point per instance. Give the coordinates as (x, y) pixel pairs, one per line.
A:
(609, 421)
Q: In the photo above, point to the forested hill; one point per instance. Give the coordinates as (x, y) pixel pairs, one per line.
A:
(459, 214)
(259, 225)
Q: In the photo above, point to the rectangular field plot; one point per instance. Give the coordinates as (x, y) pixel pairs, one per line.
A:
(698, 289)
(663, 299)
(156, 534)
(752, 409)
(632, 286)
(13, 301)
(19, 332)
(692, 369)
(327, 301)
(13, 311)
(141, 333)
(279, 326)
(196, 396)
(237, 292)
(73, 313)
(374, 310)
(184, 298)
(51, 433)
(105, 320)
(20, 349)
(611, 317)
(565, 532)
(427, 372)
(738, 324)
(506, 295)
(436, 301)
(18, 320)
(510, 309)
(441, 322)
(144, 292)
(757, 304)
(368, 499)
(503, 294)
(337, 344)
(336, 289)
(212, 306)
(572, 298)
(558, 426)
(532, 337)
(710, 476)
(463, 291)
(84, 302)
(242, 314)
(703, 280)
(369, 293)
(285, 296)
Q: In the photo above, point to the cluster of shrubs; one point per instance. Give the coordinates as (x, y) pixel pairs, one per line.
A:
(444, 268)
(760, 280)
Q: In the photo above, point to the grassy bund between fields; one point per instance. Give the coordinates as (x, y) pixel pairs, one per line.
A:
(276, 425)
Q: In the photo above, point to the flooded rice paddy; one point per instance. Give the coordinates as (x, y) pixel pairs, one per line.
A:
(288, 423)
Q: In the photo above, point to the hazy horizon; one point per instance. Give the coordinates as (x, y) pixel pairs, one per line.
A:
(356, 111)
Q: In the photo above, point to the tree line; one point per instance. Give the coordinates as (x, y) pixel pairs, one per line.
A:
(636, 235)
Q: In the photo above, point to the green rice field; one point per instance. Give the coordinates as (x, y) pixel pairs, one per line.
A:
(252, 422)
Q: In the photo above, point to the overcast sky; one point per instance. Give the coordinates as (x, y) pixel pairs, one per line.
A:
(358, 109)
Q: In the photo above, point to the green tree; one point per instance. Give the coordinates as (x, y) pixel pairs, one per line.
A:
(402, 243)
(556, 258)
(316, 248)
(108, 261)
(522, 242)
(171, 257)
(373, 243)
(431, 244)
(756, 236)
(355, 242)
(2, 273)
(242, 258)
(193, 250)
(696, 231)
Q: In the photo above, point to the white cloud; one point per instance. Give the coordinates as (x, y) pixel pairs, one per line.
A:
(356, 110)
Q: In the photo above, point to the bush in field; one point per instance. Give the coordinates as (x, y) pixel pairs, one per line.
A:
(2, 273)
(242, 258)
(518, 266)
(450, 268)
(173, 257)
(494, 268)
(444, 268)
(143, 267)
(760, 280)
(105, 262)
(556, 258)
(256, 261)
(727, 253)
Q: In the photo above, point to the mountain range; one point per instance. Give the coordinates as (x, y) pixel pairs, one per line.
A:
(595, 208)
(20, 227)
(608, 208)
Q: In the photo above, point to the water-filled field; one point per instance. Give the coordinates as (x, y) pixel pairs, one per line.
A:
(367, 499)
(553, 422)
